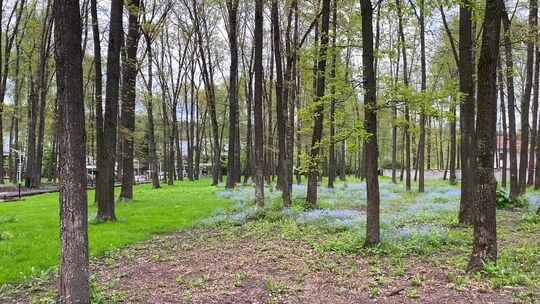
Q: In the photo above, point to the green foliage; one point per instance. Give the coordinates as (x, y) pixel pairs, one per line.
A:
(530, 222)
(504, 201)
(516, 266)
(387, 164)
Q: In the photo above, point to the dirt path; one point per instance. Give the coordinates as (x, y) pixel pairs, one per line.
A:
(205, 266)
(236, 266)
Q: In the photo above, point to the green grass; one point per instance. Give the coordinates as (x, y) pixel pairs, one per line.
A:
(29, 244)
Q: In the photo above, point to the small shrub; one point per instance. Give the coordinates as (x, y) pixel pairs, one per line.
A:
(505, 202)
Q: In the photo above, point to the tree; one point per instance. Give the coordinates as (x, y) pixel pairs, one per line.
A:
(534, 127)
(422, 140)
(233, 156)
(406, 131)
(485, 227)
(370, 124)
(106, 173)
(98, 91)
(332, 137)
(511, 103)
(74, 273)
(207, 71)
(281, 110)
(258, 104)
(526, 99)
(149, 35)
(127, 117)
(313, 170)
(466, 113)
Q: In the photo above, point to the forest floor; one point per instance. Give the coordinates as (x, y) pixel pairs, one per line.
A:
(245, 255)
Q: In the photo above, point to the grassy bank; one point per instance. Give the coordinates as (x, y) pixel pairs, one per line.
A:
(29, 229)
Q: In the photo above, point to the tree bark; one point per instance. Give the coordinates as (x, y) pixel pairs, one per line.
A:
(313, 167)
(514, 185)
(74, 273)
(105, 200)
(534, 127)
(281, 110)
(370, 112)
(504, 125)
(422, 139)
(485, 227)
(332, 147)
(467, 112)
(233, 158)
(407, 134)
(526, 99)
(258, 104)
(127, 117)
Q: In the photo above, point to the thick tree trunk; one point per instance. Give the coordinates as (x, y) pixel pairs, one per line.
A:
(313, 170)
(127, 117)
(105, 200)
(370, 87)
(74, 284)
(485, 227)
(467, 112)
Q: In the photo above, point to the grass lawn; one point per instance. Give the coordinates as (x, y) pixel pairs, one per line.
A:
(29, 230)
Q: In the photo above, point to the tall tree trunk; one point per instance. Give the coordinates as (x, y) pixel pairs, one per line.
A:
(43, 89)
(281, 110)
(422, 139)
(152, 154)
(233, 158)
(5, 58)
(127, 117)
(313, 170)
(534, 129)
(14, 141)
(98, 97)
(485, 227)
(105, 201)
(514, 186)
(332, 147)
(258, 175)
(208, 79)
(504, 155)
(467, 112)
(370, 112)
(74, 273)
(31, 133)
(407, 133)
(526, 99)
